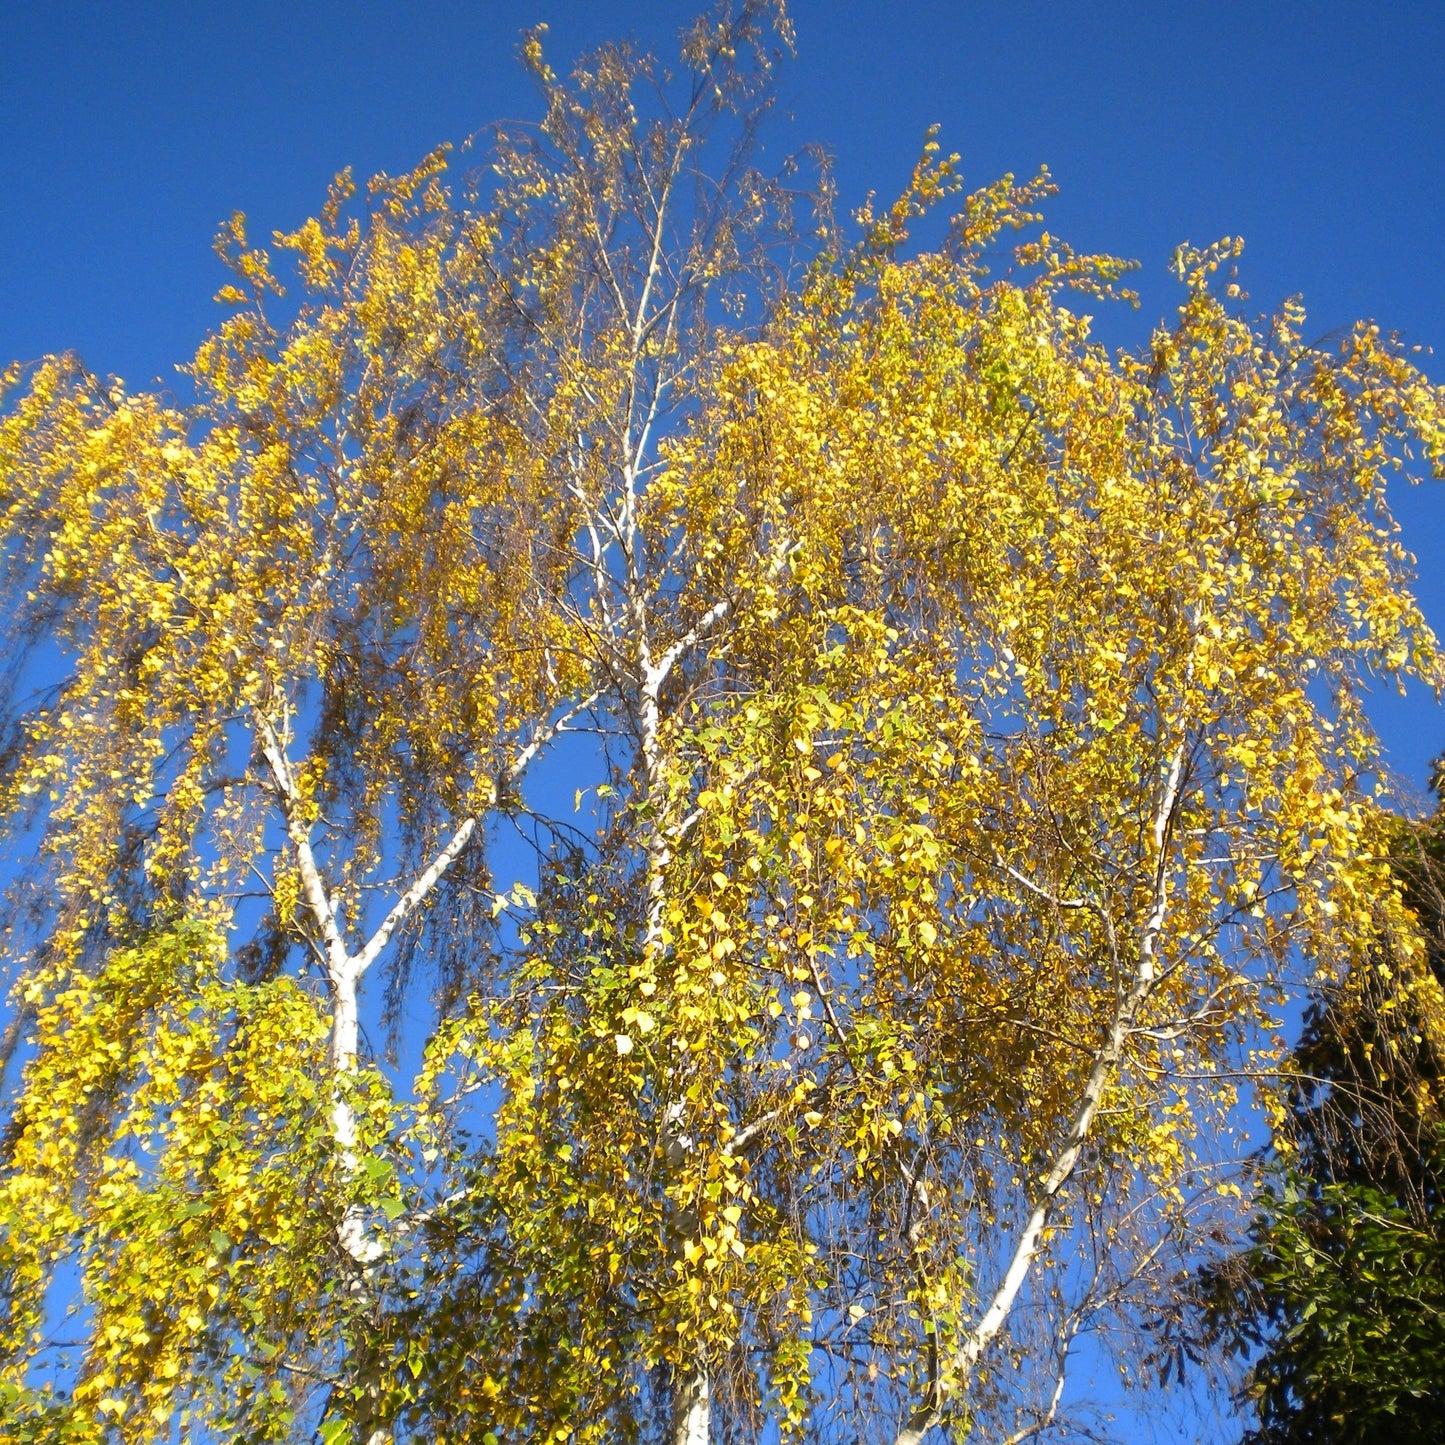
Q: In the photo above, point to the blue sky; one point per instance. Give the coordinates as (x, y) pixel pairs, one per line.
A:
(1316, 131)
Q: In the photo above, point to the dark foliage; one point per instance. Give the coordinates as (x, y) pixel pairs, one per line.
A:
(1340, 1300)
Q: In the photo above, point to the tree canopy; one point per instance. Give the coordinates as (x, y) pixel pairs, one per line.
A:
(1340, 1300)
(938, 740)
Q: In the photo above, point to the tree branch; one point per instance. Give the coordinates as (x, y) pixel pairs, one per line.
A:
(926, 1415)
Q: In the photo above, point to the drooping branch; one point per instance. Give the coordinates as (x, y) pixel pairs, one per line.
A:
(341, 963)
(407, 903)
(1106, 1060)
(703, 629)
(345, 969)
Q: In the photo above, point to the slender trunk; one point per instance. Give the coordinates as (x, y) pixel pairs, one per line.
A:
(361, 1247)
(1026, 1250)
(692, 1410)
(692, 1391)
(355, 1238)
(345, 970)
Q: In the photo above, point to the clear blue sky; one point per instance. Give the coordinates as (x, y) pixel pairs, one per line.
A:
(1315, 130)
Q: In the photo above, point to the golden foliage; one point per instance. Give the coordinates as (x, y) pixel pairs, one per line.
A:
(982, 765)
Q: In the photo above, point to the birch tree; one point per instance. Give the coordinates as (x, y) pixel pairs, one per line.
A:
(964, 729)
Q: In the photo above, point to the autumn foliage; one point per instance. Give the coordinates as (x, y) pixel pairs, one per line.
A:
(936, 739)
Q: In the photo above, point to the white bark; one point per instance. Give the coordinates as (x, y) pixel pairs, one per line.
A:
(408, 901)
(692, 1412)
(1027, 1247)
(345, 970)
(692, 1401)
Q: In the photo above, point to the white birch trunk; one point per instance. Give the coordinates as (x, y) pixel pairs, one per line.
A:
(1026, 1249)
(692, 1392)
(692, 1411)
(344, 972)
